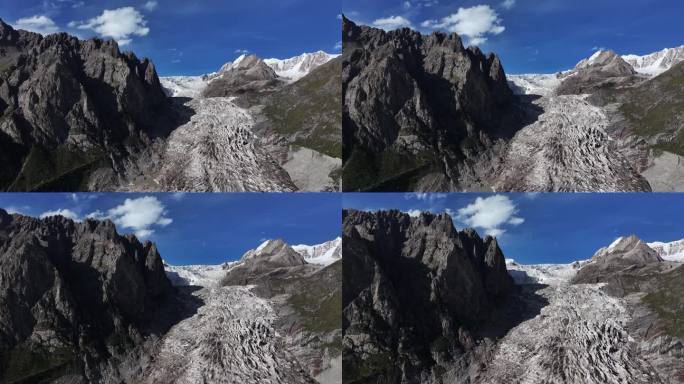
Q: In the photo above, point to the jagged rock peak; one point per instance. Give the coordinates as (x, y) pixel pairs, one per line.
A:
(64, 282)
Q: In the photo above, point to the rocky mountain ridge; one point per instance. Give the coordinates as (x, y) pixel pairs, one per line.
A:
(438, 110)
(415, 293)
(75, 296)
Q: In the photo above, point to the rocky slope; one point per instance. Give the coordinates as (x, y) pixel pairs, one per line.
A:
(68, 107)
(216, 150)
(566, 149)
(296, 123)
(415, 292)
(604, 69)
(75, 296)
(306, 298)
(620, 330)
(438, 109)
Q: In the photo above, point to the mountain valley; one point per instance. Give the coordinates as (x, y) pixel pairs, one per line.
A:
(270, 317)
(445, 120)
(82, 115)
(613, 318)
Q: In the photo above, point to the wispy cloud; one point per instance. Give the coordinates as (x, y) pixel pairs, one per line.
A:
(392, 22)
(37, 23)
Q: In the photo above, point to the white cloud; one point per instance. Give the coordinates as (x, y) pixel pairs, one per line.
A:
(531, 195)
(241, 51)
(38, 23)
(18, 210)
(392, 22)
(69, 214)
(490, 214)
(414, 212)
(476, 23)
(150, 5)
(508, 4)
(139, 214)
(178, 196)
(338, 45)
(121, 24)
(407, 5)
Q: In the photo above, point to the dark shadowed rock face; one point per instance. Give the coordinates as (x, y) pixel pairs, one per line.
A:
(414, 290)
(83, 98)
(72, 295)
(426, 98)
(624, 254)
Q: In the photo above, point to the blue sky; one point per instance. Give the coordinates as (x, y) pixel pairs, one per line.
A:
(205, 228)
(189, 37)
(547, 227)
(537, 36)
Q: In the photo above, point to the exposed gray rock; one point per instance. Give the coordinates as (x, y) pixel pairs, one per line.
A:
(625, 253)
(249, 75)
(414, 291)
(437, 107)
(59, 94)
(604, 69)
(74, 295)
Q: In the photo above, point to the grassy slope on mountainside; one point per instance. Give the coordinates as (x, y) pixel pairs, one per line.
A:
(308, 112)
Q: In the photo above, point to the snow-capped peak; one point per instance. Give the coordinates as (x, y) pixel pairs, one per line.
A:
(322, 254)
(615, 243)
(656, 63)
(672, 251)
(297, 67)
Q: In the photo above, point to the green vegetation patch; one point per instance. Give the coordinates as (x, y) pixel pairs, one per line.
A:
(64, 169)
(365, 171)
(23, 365)
(373, 368)
(668, 302)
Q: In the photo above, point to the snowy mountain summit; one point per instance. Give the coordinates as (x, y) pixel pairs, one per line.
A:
(297, 67)
(656, 63)
(288, 70)
(672, 251)
(323, 254)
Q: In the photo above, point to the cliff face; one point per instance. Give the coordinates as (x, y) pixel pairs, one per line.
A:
(414, 289)
(73, 294)
(73, 102)
(427, 98)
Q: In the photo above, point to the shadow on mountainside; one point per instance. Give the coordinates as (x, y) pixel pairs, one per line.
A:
(519, 307)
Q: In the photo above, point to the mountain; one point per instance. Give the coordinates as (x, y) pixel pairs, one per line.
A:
(438, 109)
(324, 254)
(299, 66)
(672, 251)
(297, 124)
(602, 69)
(655, 63)
(291, 70)
(71, 108)
(622, 253)
(248, 74)
(307, 298)
(75, 296)
(415, 293)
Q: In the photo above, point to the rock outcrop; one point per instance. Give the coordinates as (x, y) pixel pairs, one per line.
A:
(73, 295)
(414, 292)
(68, 106)
(625, 253)
(248, 75)
(604, 69)
(419, 112)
